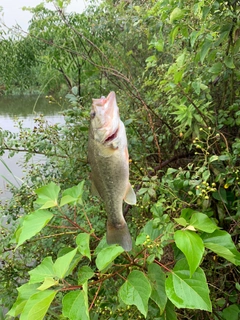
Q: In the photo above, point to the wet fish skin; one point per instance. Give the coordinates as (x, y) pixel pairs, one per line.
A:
(109, 161)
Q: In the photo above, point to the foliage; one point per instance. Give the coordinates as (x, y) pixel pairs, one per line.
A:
(175, 67)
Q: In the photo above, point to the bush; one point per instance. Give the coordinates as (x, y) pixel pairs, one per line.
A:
(177, 81)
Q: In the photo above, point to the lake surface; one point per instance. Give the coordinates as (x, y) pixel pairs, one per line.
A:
(24, 108)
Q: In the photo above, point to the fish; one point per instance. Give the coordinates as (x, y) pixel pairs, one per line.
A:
(109, 162)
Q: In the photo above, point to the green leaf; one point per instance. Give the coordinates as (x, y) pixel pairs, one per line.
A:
(178, 76)
(24, 293)
(141, 238)
(221, 243)
(186, 291)
(221, 195)
(196, 86)
(73, 195)
(236, 47)
(136, 291)
(202, 222)
(206, 174)
(48, 283)
(151, 231)
(62, 264)
(176, 14)
(75, 90)
(107, 255)
(213, 158)
(82, 241)
(232, 312)
(157, 279)
(204, 50)
(224, 157)
(37, 305)
(216, 68)
(74, 263)
(158, 44)
(192, 246)
(223, 35)
(48, 195)
(32, 224)
(229, 62)
(193, 37)
(181, 59)
(75, 305)
(77, 258)
(169, 312)
(181, 221)
(84, 274)
(142, 191)
(187, 213)
(42, 271)
(173, 34)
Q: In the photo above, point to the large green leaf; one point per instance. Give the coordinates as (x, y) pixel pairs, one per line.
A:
(186, 290)
(24, 293)
(82, 241)
(73, 195)
(42, 271)
(62, 264)
(202, 222)
(136, 291)
(32, 224)
(221, 243)
(48, 195)
(107, 255)
(191, 245)
(37, 305)
(75, 305)
(157, 279)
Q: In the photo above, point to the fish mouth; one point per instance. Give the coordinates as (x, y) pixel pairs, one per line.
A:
(112, 136)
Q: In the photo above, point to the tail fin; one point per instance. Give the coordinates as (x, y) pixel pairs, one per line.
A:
(119, 236)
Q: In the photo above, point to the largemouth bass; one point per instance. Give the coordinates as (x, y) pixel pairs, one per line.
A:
(109, 161)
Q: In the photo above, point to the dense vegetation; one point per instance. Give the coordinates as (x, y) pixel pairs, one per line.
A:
(175, 68)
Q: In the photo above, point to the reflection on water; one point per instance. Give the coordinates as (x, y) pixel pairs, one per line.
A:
(24, 108)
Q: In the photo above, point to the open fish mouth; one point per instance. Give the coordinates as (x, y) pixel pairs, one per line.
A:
(111, 137)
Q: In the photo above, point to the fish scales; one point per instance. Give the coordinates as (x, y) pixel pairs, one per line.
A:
(109, 176)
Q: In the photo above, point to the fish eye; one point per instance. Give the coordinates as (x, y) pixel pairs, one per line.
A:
(92, 115)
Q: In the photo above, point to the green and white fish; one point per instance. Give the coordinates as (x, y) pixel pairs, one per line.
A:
(109, 161)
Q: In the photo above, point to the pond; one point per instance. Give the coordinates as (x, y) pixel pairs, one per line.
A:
(24, 108)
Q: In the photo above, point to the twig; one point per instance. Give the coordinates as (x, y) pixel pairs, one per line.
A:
(95, 297)
(166, 162)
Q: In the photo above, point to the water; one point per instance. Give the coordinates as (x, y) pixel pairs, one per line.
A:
(25, 108)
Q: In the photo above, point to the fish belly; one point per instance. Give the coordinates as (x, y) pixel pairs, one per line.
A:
(110, 176)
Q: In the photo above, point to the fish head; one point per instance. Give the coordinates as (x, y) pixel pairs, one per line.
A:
(105, 120)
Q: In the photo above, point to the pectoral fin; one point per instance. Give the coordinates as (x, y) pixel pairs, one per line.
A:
(106, 151)
(130, 196)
